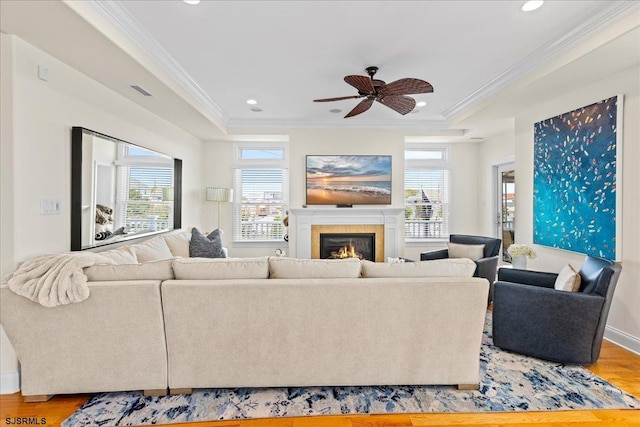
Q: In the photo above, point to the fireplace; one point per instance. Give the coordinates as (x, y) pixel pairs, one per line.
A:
(348, 245)
(307, 223)
(368, 241)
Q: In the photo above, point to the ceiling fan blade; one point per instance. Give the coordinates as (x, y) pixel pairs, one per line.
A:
(405, 87)
(340, 98)
(362, 106)
(362, 83)
(401, 104)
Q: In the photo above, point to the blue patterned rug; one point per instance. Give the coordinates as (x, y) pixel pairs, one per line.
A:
(509, 382)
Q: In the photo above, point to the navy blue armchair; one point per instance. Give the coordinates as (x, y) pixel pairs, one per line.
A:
(485, 267)
(530, 317)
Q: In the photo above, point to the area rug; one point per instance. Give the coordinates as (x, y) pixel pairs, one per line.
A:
(509, 382)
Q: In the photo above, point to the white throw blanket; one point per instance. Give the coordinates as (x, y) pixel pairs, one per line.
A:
(55, 279)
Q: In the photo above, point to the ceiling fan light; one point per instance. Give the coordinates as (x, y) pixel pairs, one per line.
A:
(532, 5)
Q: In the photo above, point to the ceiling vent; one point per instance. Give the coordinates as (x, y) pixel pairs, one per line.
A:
(140, 90)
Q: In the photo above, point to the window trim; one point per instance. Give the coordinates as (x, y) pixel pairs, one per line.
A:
(239, 163)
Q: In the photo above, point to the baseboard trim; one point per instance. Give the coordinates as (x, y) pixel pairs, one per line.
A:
(9, 382)
(623, 339)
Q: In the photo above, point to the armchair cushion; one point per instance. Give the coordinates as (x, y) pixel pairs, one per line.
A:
(568, 280)
(458, 250)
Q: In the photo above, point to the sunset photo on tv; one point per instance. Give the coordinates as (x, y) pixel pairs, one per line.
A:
(348, 180)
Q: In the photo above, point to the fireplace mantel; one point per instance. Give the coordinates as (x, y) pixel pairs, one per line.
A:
(391, 218)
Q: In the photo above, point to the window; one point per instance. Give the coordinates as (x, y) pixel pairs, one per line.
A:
(261, 187)
(144, 192)
(426, 192)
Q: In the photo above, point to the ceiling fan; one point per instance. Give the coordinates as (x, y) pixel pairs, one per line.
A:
(393, 95)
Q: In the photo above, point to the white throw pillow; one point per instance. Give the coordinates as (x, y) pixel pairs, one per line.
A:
(221, 268)
(459, 250)
(178, 242)
(152, 250)
(122, 255)
(156, 270)
(449, 267)
(568, 280)
(293, 268)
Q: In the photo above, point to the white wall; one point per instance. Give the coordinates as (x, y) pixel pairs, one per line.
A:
(464, 197)
(37, 117)
(495, 150)
(624, 319)
(9, 378)
(464, 182)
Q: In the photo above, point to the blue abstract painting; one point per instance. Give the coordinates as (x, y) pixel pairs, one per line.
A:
(574, 180)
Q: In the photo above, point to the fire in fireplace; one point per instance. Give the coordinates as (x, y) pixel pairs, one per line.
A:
(348, 245)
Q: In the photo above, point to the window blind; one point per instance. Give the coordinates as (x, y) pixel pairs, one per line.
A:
(426, 203)
(260, 203)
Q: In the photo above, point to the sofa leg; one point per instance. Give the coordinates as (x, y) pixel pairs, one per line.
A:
(156, 392)
(34, 398)
(180, 390)
(468, 386)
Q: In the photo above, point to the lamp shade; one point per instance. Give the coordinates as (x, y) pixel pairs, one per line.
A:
(215, 194)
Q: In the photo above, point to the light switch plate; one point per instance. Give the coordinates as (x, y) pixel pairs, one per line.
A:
(43, 73)
(50, 207)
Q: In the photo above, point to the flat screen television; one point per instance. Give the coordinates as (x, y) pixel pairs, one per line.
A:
(348, 180)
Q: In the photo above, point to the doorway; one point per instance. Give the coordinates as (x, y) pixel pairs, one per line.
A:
(506, 207)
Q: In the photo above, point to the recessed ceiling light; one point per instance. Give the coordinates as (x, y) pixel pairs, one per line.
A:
(252, 101)
(191, 1)
(256, 109)
(532, 5)
(335, 110)
(421, 104)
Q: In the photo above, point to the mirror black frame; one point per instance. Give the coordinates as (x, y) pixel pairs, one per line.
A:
(76, 189)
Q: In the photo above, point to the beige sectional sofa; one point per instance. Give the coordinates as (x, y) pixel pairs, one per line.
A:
(182, 323)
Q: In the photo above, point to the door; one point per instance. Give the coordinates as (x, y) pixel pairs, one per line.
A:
(506, 207)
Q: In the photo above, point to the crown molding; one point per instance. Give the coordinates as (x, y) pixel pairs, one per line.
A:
(120, 18)
(333, 124)
(598, 22)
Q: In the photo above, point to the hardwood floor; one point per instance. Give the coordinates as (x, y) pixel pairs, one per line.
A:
(616, 365)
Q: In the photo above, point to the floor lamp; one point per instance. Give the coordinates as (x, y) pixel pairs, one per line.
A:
(218, 195)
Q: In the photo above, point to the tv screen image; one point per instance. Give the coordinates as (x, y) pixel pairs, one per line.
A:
(348, 180)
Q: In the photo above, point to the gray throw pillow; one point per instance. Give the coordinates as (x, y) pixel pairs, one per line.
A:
(202, 246)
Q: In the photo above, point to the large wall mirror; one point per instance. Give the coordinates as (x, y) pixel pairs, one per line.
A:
(120, 191)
